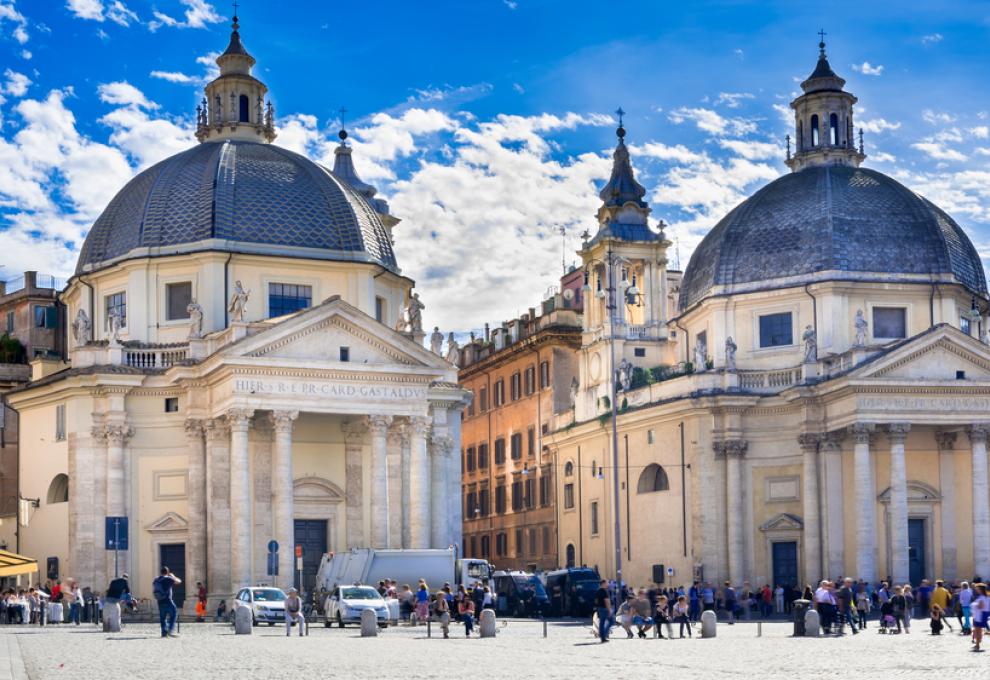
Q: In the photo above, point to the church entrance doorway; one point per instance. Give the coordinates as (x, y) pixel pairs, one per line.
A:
(173, 556)
(916, 550)
(311, 534)
(785, 563)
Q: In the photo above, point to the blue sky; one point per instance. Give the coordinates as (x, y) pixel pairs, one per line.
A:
(487, 123)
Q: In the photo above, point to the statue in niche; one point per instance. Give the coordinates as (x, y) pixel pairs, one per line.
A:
(81, 327)
(195, 312)
(730, 354)
(862, 326)
(700, 355)
(115, 321)
(238, 302)
(625, 374)
(810, 345)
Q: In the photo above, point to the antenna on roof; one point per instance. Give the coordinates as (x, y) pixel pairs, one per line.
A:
(343, 129)
(677, 252)
(563, 249)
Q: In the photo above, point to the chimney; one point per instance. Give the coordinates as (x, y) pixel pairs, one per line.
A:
(30, 280)
(488, 333)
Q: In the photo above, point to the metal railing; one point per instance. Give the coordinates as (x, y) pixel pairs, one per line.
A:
(42, 281)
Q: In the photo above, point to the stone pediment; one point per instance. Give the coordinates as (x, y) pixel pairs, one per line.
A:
(170, 521)
(783, 522)
(917, 491)
(937, 354)
(317, 335)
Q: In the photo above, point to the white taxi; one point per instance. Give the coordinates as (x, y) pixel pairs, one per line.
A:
(267, 604)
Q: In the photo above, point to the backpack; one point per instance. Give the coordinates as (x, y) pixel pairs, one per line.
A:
(160, 591)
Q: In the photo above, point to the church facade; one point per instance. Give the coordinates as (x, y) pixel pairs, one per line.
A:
(246, 365)
(815, 405)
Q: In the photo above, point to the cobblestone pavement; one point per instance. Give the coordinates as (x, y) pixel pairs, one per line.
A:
(519, 651)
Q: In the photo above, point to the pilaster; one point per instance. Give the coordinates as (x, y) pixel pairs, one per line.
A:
(866, 503)
(218, 501)
(946, 442)
(239, 420)
(196, 545)
(419, 483)
(354, 484)
(899, 562)
(981, 514)
(733, 450)
(813, 568)
(282, 494)
(378, 428)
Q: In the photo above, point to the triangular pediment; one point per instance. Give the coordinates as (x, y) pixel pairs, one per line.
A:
(317, 335)
(938, 354)
(170, 521)
(785, 521)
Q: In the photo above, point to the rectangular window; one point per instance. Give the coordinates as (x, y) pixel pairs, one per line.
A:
(594, 518)
(889, 322)
(482, 400)
(474, 546)
(776, 330)
(471, 505)
(345, 353)
(546, 539)
(528, 496)
(118, 302)
(10, 322)
(39, 316)
(482, 456)
(531, 441)
(500, 499)
(500, 451)
(964, 325)
(516, 444)
(532, 542)
(60, 423)
(568, 496)
(544, 374)
(380, 309)
(499, 392)
(486, 546)
(171, 404)
(545, 481)
(470, 409)
(177, 299)
(514, 386)
(517, 495)
(483, 501)
(519, 543)
(530, 381)
(639, 351)
(285, 298)
(469, 461)
(45, 316)
(501, 547)
(649, 436)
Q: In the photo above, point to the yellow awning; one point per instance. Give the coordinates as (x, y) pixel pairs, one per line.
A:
(12, 564)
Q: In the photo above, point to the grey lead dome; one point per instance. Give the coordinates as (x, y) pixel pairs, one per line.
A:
(831, 223)
(239, 197)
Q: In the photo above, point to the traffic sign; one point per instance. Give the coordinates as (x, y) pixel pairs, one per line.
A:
(273, 546)
(116, 533)
(299, 551)
(273, 563)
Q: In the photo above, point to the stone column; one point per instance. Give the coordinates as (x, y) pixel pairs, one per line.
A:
(981, 517)
(283, 516)
(239, 420)
(419, 484)
(440, 445)
(950, 506)
(218, 502)
(832, 499)
(117, 489)
(812, 522)
(354, 485)
(405, 452)
(899, 564)
(733, 451)
(196, 543)
(455, 502)
(378, 427)
(866, 503)
(396, 494)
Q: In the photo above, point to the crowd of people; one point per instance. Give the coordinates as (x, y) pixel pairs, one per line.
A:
(461, 604)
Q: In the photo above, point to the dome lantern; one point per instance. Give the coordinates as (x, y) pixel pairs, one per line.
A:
(234, 106)
(823, 120)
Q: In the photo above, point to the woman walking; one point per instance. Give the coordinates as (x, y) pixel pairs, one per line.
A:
(909, 601)
(898, 604)
(862, 605)
(981, 611)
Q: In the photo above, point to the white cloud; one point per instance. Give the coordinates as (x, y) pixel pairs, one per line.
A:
(120, 14)
(739, 53)
(86, 9)
(980, 131)
(122, 93)
(198, 14)
(882, 157)
(17, 83)
(754, 151)
(511, 4)
(938, 151)
(677, 153)
(868, 69)
(732, 99)
(785, 112)
(8, 12)
(518, 88)
(711, 122)
(175, 77)
(937, 117)
(932, 39)
(878, 125)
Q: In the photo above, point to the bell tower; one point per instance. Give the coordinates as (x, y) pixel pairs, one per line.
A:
(234, 106)
(823, 120)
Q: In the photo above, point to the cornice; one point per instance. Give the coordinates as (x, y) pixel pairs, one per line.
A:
(568, 337)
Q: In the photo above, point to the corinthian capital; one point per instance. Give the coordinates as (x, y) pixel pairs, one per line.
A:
(118, 434)
(946, 440)
(977, 433)
(217, 429)
(861, 432)
(378, 425)
(282, 420)
(239, 418)
(897, 432)
(809, 441)
(354, 431)
(194, 427)
(419, 425)
(399, 432)
(441, 444)
(731, 447)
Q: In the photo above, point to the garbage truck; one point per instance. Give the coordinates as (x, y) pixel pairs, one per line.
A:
(368, 566)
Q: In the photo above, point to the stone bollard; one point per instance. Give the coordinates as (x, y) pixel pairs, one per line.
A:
(811, 623)
(708, 624)
(369, 623)
(487, 623)
(243, 620)
(414, 619)
(111, 617)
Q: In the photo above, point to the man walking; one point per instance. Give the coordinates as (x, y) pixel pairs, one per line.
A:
(603, 607)
(166, 606)
(845, 598)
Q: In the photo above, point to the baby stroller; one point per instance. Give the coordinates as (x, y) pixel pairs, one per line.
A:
(887, 621)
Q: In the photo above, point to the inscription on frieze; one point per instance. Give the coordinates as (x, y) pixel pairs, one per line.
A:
(337, 390)
(943, 404)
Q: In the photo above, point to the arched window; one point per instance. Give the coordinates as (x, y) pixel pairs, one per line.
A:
(568, 469)
(833, 129)
(58, 490)
(245, 116)
(800, 139)
(570, 554)
(653, 478)
(814, 130)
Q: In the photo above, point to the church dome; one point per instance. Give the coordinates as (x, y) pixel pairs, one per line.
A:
(831, 223)
(238, 197)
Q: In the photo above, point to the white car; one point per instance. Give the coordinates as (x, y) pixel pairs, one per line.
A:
(267, 604)
(345, 604)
